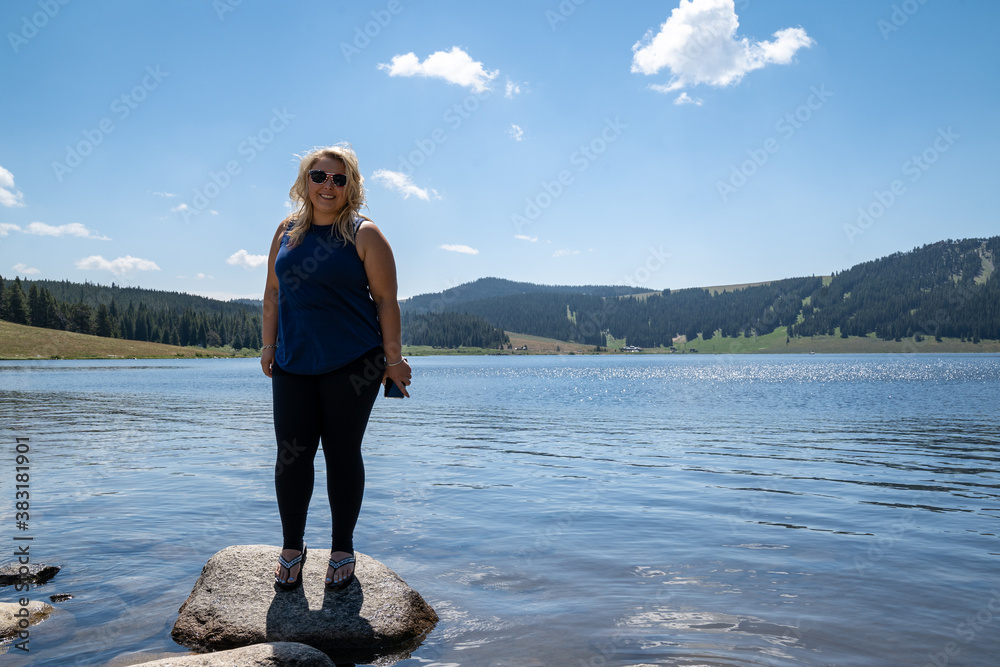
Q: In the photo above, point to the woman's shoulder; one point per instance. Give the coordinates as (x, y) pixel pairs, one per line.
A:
(281, 233)
(360, 220)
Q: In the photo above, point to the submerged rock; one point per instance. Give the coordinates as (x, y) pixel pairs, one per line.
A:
(277, 654)
(236, 603)
(10, 573)
(10, 624)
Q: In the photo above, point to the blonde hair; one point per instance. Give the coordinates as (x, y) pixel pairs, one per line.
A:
(302, 217)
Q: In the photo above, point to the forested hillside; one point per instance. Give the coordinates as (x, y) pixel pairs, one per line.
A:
(649, 322)
(133, 313)
(486, 288)
(130, 313)
(946, 289)
(451, 330)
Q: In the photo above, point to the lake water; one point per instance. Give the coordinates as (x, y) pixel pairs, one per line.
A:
(571, 510)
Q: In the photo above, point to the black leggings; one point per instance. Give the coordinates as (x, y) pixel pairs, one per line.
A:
(333, 406)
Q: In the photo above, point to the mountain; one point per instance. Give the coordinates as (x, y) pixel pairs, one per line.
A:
(945, 289)
(485, 288)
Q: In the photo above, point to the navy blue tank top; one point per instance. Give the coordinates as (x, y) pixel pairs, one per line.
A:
(326, 316)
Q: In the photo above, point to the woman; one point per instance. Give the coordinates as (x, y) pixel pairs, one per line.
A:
(331, 330)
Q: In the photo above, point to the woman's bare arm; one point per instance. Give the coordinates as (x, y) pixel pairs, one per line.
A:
(269, 334)
(380, 267)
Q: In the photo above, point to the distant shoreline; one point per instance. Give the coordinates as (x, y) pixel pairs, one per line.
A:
(24, 343)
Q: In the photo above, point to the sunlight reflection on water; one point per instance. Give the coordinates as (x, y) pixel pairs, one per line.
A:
(789, 510)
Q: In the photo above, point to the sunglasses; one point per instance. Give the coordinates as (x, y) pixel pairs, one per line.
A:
(320, 176)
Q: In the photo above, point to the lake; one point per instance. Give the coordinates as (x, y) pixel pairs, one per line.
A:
(563, 510)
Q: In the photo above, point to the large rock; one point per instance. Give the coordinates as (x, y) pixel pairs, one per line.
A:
(279, 654)
(11, 573)
(10, 624)
(236, 603)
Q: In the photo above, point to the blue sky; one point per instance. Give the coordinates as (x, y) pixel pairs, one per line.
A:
(660, 144)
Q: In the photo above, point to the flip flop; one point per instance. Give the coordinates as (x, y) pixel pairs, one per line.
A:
(288, 565)
(343, 583)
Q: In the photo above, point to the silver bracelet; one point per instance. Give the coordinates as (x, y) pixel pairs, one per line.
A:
(267, 346)
(401, 360)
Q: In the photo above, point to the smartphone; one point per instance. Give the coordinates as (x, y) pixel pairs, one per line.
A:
(392, 391)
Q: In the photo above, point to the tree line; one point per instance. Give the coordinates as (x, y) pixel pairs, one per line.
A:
(946, 289)
(649, 321)
(148, 315)
(188, 320)
(451, 330)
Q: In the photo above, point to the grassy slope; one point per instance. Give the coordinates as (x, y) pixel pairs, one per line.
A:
(536, 345)
(775, 343)
(22, 342)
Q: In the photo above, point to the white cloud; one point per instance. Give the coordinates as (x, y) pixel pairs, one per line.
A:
(180, 208)
(564, 253)
(246, 260)
(511, 89)
(9, 195)
(69, 229)
(25, 269)
(163, 194)
(400, 182)
(8, 227)
(464, 249)
(455, 66)
(118, 266)
(698, 44)
(516, 133)
(684, 98)
(525, 237)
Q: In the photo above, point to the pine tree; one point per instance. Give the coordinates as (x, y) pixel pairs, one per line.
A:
(36, 307)
(82, 318)
(103, 325)
(15, 307)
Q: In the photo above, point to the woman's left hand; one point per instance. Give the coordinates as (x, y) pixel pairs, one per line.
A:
(400, 374)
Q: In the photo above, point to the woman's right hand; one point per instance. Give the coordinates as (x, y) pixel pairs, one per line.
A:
(266, 359)
(400, 374)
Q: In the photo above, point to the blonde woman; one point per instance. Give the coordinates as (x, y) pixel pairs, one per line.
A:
(331, 331)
